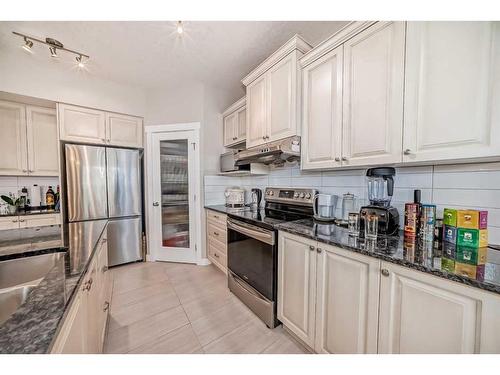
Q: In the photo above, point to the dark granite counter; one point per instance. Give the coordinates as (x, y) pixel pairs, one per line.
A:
(421, 256)
(25, 240)
(226, 210)
(31, 213)
(32, 328)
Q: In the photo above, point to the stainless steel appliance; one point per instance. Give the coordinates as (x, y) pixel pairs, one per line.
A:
(277, 152)
(228, 162)
(235, 197)
(324, 207)
(105, 183)
(253, 248)
(380, 191)
(256, 198)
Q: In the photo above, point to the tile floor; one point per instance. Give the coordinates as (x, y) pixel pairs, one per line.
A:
(181, 308)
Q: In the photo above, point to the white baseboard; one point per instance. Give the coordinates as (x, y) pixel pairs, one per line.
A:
(203, 262)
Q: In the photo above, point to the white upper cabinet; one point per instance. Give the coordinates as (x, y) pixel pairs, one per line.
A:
(123, 130)
(86, 125)
(14, 159)
(452, 91)
(373, 95)
(322, 111)
(43, 145)
(234, 119)
(81, 124)
(273, 100)
(346, 302)
(256, 112)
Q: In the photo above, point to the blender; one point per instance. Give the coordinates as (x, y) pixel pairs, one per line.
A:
(380, 191)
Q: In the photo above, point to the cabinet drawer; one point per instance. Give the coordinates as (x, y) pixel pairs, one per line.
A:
(39, 220)
(216, 233)
(217, 218)
(216, 255)
(9, 222)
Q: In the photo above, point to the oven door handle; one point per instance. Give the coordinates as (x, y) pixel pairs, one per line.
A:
(252, 231)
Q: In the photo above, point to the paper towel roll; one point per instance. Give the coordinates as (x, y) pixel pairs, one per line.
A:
(35, 196)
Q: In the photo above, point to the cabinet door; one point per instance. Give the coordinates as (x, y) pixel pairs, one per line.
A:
(452, 90)
(230, 127)
(104, 291)
(282, 97)
(9, 222)
(122, 130)
(346, 302)
(421, 313)
(43, 145)
(373, 95)
(80, 124)
(297, 285)
(322, 111)
(14, 148)
(72, 338)
(93, 310)
(242, 124)
(256, 112)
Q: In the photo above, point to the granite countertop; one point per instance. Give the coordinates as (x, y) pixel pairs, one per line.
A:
(32, 328)
(26, 240)
(29, 213)
(422, 256)
(227, 210)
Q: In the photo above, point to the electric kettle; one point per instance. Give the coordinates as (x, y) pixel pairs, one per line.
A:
(256, 198)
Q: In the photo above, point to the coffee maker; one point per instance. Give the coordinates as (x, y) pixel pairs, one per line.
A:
(380, 191)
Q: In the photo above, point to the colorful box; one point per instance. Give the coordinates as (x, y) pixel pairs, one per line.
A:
(472, 237)
(472, 219)
(470, 271)
(449, 250)
(448, 265)
(450, 234)
(471, 255)
(450, 217)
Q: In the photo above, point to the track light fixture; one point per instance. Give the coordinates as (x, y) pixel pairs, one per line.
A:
(27, 45)
(54, 46)
(180, 28)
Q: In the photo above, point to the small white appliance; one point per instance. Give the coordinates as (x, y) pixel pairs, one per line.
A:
(235, 197)
(324, 206)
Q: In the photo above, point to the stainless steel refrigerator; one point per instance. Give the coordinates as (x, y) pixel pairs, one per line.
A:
(105, 183)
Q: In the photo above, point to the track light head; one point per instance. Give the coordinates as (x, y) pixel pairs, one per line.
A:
(27, 45)
(180, 28)
(53, 52)
(79, 60)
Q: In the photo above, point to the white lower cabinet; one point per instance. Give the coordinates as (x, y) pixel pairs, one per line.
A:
(339, 301)
(346, 302)
(420, 313)
(83, 328)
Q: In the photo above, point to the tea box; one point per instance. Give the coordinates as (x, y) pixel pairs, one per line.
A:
(472, 237)
(471, 255)
(449, 250)
(472, 219)
(470, 271)
(450, 217)
(449, 234)
(448, 265)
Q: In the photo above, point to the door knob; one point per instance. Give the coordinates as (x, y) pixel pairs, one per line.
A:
(156, 204)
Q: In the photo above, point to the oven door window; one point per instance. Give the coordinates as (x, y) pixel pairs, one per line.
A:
(252, 260)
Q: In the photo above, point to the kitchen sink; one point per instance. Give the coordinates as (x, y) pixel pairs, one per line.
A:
(19, 276)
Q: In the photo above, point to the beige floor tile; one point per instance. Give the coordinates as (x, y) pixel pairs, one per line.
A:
(140, 294)
(251, 338)
(123, 284)
(224, 320)
(139, 333)
(208, 303)
(181, 341)
(284, 345)
(126, 315)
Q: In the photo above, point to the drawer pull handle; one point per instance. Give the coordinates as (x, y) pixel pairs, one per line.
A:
(216, 255)
(385, 272)
(311, 247)
(318, 250)
(216, 233)
(106, 306)
(15, 221)
(216, 216)
(22, 221)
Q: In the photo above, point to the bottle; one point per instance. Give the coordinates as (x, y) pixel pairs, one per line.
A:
(58, 199)
(50, 199)
(23, 199)
(412, 215)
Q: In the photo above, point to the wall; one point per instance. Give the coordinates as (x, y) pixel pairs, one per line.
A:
(475, 186)
(42, 77)
(13, 184)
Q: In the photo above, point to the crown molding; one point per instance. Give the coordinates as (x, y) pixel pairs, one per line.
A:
(295, 43)
(234, 107)
(340, 37)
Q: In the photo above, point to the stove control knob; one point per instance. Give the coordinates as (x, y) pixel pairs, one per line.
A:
(308, 196)
(271, 192)
(296, 195)
(302, 195)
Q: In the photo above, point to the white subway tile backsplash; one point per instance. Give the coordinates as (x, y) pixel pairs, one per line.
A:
(467, 186)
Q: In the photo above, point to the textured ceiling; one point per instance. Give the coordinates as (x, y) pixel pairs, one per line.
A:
(152, 54)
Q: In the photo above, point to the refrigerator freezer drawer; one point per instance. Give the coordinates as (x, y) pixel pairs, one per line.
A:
(124, 182)
(124, 241)
(86, 182)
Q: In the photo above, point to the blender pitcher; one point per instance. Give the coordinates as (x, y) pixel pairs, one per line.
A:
(380, 185)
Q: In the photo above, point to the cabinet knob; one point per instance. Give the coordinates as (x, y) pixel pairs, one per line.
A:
(22, 221)
(216, 233)
(318, 250)
(337, 159)
(216, 216)
(407, 151)
(216, 255)
(106, 306)
(30, 170)
(264, 137)
(344, 158)
(25, 170)
(156, 204)
(311, 247)
(385, 272)
(267, 136)
(14, 221)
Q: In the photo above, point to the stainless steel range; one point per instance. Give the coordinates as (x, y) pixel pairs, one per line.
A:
(253, 248)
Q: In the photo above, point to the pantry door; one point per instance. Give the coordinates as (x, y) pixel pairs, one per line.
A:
(174, 179)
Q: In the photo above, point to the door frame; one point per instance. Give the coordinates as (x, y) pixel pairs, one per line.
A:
(193, 127)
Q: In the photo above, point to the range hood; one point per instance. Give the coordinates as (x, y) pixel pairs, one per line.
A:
(277, 152)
